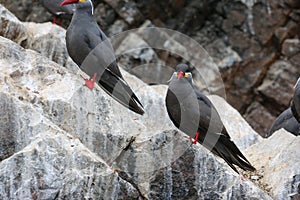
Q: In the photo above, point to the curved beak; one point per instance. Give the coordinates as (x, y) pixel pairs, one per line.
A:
(66, 2)
(180, 74)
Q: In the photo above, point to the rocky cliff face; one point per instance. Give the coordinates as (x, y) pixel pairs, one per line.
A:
(60, 140)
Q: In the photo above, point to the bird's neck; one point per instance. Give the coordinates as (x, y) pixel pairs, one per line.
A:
(83, 14)
(86, 8)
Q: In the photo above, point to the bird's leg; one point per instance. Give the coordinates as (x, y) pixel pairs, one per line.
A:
(196, 138)
(90, 82)
(60, 22)
(54, 20)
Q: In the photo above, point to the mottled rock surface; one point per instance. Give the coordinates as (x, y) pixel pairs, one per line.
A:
(278, 164)
(11, 27)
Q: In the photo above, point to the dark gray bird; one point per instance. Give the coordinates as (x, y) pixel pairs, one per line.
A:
(194, 114)
(53, 6)
(290, 118)
(296, 101)
(90, 49)
(287, 121)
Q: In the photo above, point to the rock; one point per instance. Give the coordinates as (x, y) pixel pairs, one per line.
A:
(49, 40)
(255, 114)
(57, 165)
(198, 180)
(117, 27)
(20, 8)
(11, 27)
(274, 17)
(105, 16)
(279, 163)
(278, 84)
(138, 58)
(127, 10)
(242, 77)
(290, 47)
(224, 56)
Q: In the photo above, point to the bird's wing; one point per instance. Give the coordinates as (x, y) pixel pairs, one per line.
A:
(99, 54)
(120, 91)
(296, 101)
(210, 118)
(285, 120)
(193, 112)
(54, 7)
(173, 108)
(101, 46)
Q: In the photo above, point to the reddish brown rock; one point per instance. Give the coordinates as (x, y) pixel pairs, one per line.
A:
(291, 47)
(273, 16)
(277, 87)
(241, 80)
(259, 117)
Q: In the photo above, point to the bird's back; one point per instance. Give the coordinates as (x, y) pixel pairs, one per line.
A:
(87, 43)
(53, 6)
(296, 101)
(287, 121)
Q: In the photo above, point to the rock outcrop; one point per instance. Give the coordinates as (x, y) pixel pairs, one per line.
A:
(60, 140)
(278, 164)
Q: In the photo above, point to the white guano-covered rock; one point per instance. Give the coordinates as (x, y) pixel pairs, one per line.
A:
(278, 161)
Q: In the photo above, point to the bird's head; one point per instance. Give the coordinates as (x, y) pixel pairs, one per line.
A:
(66, 2)
(181, 72)
(80, 4)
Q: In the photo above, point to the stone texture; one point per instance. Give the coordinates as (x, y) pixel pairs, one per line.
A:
(256, 114)
(48, 40)
(11, 27)
(126, 10)
(278, 163)
(45, 39)
(280, 79)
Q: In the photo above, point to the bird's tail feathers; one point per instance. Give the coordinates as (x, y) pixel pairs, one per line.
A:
(227, 150)
(118, 88)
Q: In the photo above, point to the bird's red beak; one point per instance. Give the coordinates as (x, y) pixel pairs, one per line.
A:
(66, 2)
(180, 74)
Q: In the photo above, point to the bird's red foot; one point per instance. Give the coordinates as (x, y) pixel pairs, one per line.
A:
(194, 141)
(54, 19)
(90, 82)
(60, 22)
